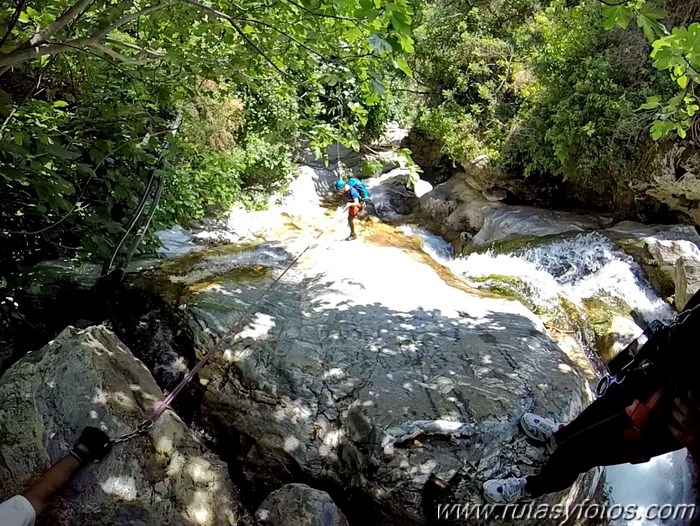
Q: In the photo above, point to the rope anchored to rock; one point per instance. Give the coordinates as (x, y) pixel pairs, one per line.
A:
(222, 343)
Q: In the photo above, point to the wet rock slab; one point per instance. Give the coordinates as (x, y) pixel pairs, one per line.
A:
(368, 369)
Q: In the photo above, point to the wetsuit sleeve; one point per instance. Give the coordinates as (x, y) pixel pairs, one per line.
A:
(17, 511)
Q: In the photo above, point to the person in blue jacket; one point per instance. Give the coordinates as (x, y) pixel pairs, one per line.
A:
(357, 195)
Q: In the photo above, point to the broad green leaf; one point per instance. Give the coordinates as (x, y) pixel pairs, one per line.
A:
(652, 12)
(46, 18)
(652, 103)
(401, 23)
(617, 15)
(403, 66)
(652, 29)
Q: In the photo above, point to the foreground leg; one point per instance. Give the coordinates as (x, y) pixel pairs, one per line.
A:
(595, 438)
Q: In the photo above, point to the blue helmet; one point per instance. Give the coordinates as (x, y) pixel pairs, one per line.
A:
(339, 184)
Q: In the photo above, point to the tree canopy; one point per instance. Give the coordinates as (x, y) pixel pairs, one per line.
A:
(560, 90)
(89, 89)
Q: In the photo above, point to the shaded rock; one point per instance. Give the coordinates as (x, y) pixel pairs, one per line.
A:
(676, 179)
(52, 295)
(391, 195)
(495, 194)
(667, 253)
(460, 205)
(428, 153)
(50, 277)
(612, 325)
(89, 378)
(494, 183)
(299, 505)
(455, 207)
(687, 279)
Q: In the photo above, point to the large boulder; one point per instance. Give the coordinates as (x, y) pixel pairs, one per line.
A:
(508, 222)
(367, 381)
(611, 324)
(391, 195)
(461, 205)
(669, 256)
(675, 179)
(454, 207)
(299, 505)
(88, 377)
(687, 278)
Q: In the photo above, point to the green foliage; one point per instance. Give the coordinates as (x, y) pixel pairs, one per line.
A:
(462, 65)
(406, 162)
(89, 89)
(203, 184)
(578, 120)
(541, 88)
(371, 167)
(677, 52)
(63, 167)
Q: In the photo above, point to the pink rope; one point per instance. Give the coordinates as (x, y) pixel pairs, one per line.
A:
(225, 338)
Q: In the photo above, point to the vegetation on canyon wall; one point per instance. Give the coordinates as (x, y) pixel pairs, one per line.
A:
(89, 90)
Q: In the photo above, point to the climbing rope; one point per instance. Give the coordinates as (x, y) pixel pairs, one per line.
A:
(146, 424)
(112, 264)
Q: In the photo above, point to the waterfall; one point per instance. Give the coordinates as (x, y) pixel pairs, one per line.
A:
(580, 267)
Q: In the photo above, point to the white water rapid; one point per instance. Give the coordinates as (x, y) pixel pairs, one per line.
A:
(576, 268)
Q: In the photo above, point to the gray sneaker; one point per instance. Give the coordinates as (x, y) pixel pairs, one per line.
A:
(541, 429)
(505, 491)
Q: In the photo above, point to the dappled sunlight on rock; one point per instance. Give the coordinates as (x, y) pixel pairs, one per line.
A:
(565, 368)
(159, 475)
(291, 443)
(260, 325)
(201, 471)
(395, 367)
(121, 487)
(125, 401)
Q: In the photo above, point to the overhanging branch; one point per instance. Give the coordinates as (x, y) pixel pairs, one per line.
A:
(232, 20)
(66, 17)
(118, 56)
(22, 54)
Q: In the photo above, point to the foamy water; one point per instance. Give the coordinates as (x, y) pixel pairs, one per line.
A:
(577, 268)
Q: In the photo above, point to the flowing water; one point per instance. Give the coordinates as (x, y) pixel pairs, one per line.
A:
(577, 268)
(574, 268)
